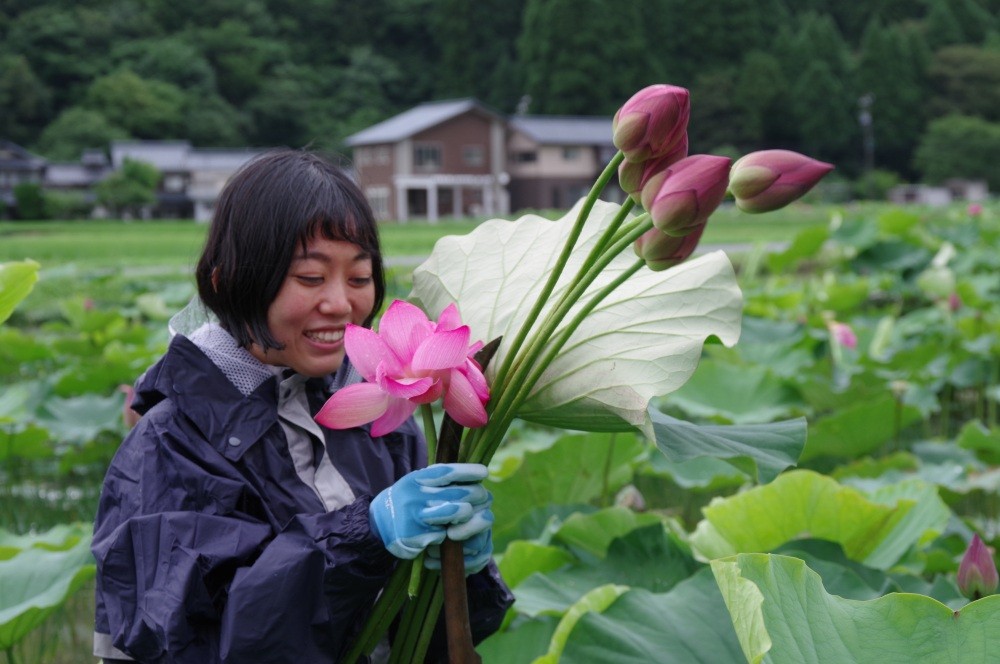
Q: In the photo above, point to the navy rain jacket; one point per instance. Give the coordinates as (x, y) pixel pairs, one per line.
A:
(210, 548)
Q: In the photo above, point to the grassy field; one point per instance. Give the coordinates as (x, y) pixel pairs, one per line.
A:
(176, 244)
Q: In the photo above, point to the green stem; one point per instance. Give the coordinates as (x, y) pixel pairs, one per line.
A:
(511, 400)
(606, 479)
(430, 430)
(550, 284)
(385, 610)
(414, 623)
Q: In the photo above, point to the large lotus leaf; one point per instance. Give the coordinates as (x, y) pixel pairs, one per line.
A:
(985, 442)
(16, 281)
(701, 474)
(782, 614)
(24, 441)
(688, 624)
(647, 557)
(35, 583)
(737, 394)
(858, 429)
(805, 244)
(760, 450)
(595, 601)
(644, 340)
(590, 535)
(521, 559)
(80, 419)
(576, 468)
(522, 642)
(806, 504)
(57, 538)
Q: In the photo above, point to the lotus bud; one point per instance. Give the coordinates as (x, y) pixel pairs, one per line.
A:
(843, 335)
(633, 176)
(652, 123)
(661, 251)
(977, 573)
(682, 197)
(771, 179)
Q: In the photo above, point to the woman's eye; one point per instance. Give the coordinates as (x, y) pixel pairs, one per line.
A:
(309, 280)
(361, 281)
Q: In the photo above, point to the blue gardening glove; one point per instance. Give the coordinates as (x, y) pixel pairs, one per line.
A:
(421, 506)
(476, 549)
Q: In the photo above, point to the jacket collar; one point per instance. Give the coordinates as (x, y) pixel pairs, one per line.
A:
(231, 422)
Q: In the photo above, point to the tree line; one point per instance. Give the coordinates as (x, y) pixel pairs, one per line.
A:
(910, 88)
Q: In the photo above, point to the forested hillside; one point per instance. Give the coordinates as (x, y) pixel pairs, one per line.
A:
(78, 73)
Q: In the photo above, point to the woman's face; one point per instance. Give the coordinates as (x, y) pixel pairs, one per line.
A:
(327, 286)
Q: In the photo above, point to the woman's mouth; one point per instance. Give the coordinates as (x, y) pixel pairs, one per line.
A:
(325, 336)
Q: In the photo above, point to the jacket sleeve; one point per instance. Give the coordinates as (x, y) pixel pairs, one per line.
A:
(189, 572)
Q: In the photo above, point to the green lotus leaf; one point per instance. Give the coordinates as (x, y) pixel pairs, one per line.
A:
(35, 583)
(590, 535)
(16, 281)
(873, 530)
(576, 468)
(759, 450)
(643, 341)
(782, 614)
(596, 600)
(858, 429)
(736, 394)
(688, 624)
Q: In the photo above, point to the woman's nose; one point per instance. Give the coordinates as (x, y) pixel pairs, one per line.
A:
(334, 300)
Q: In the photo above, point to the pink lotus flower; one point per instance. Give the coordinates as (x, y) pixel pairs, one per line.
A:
(843, 334)
(633, 175)
(682, 197)
(771, 179)
(410, 361)
(974, 210)
(977, 573)
(652, 122)
(661, 251)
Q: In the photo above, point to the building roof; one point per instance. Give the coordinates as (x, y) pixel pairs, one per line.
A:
(180, 156)
(13, 156)
(415, 120)
(564, 130)
(63, 174)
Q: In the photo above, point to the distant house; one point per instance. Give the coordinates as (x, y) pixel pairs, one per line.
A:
(554, 160)
(77, 176)
(973, 191)
(192, 177)
(443, 158)
(460, 158)
(17, 166)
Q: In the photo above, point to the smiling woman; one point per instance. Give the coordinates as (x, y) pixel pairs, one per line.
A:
(232, 527)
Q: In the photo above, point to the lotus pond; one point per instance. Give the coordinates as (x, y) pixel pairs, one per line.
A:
(837, 462)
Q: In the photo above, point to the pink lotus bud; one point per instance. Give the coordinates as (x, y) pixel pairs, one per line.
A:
(681, 198)
(974, 209)
(652, 123)
(129, 417)
(633, 176)
(771, 179)
(661, 251)
(843, 335)
(954, 301)
(977, 573)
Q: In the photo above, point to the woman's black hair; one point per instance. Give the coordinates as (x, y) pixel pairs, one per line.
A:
(269, 209)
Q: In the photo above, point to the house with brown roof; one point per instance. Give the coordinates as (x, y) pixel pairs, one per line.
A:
(460, 158)
(444, 158)
(553, 161)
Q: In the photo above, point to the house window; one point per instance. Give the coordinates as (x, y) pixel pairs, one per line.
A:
(173, 183)
(363, 156)
(427, 157)
(382, 155)
(472, 155)
(378, 198)
(571, 154)
(525, 157)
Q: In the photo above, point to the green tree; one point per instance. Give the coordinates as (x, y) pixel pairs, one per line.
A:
(717, 119)
(170, 59)
(67, 47)
(146, 108)
(888, 70)
(957, 146)
(241, 59)
(762, 91)
(581, 57)
(30, 201)
(75, 130)
(824, 115)
(941, 27)
(25, 101)
(966, 81)
(126, 191)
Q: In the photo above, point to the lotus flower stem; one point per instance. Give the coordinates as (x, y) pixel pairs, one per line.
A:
(542, 353)
(609, 171)
(388, 605)
(430, 432)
